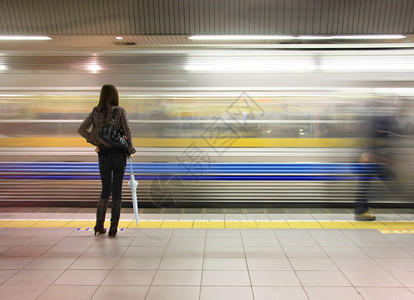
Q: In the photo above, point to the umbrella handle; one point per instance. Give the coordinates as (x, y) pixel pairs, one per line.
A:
(130, 164)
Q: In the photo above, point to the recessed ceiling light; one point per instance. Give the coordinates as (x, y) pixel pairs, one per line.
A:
(300, 37)
(119, 38)
(94, 68)
(24, 38)
(241, 37)
(370, 37)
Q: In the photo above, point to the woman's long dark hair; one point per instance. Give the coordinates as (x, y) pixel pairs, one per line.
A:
(109, 96)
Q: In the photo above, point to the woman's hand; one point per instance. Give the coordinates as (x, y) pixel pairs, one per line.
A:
(97, 150)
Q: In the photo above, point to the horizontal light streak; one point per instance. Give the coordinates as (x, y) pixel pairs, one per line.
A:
(291, 37)
(23, 38)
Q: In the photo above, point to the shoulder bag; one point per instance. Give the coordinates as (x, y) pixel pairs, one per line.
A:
(112, 137)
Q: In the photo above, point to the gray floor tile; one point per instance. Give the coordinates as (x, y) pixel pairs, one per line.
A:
(385, 251)
(328, 293)
(357, 263)
(304, 252)
(261, 252)
(223, 233)
(4, 248)
(324, 233)
(173, 293)
(371, 241)
(68, 293)
(262, 264)
(12, 240)
(76, 240)
(71, 251)
(347, 217)
(21, 292)
(334, 241)
(401, 241)
(137, 263)
(257, 233)
(50, 262)
(274, 278)
(370, 278)
(170, 217)
(223, 241)
(225, 278)
(229, 217)
(345, 252)
(187, 241)
(186, 251)
(273, 216)
(225, 264)
(103, 251)
(213, 217)
(260, 241)
(406, 278)
(33, 277)
(324, 216)
(314, 263)
(150, 241)
(175, 263)
(189, 232)
(408, 250)
(289, 233)
(129, 277)
(362, 233)
(279, 293)
(191, 217)
(6, 274)
(94, 263)
(322, 278)
(144, 251)
(26, 251)
(389, 217)
(226, 293)
(297, 241)
(396, 264)
(120, 292)
(82, 277)
(177, 278)
(377, 293)
(224, 252)
(42, 240)
(8, 262)
(257, 217)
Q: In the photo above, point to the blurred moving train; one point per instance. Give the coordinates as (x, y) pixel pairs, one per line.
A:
(243, 127)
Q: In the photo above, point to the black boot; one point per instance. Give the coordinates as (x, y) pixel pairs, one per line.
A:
(115, 214)
(100, 216)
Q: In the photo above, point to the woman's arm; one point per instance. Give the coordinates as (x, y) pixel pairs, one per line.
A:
(127, 131)
(83, 128)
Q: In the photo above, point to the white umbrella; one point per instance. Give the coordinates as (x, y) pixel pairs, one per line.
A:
(133, 184)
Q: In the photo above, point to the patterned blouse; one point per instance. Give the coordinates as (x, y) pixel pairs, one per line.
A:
(99, 119)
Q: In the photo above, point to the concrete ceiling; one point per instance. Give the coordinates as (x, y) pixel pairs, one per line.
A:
(93, 24)
(186, 17)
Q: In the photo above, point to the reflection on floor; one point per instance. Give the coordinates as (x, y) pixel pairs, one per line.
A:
(203, 263)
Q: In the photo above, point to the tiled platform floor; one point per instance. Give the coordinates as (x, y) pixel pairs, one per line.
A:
(168, 263)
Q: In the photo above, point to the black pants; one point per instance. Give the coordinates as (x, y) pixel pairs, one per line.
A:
(382, 172)
(112, 169)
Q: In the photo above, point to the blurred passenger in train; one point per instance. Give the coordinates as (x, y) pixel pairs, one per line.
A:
(111, 162)
(381, 127)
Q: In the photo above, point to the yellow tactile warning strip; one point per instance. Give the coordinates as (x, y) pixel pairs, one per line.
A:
(386, 226)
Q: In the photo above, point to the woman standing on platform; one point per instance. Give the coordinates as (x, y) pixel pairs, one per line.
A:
(112, 162)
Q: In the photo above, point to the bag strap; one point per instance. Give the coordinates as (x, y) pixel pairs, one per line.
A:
(113, 116)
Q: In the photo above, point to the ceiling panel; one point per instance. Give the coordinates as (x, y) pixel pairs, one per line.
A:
(181, 17)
